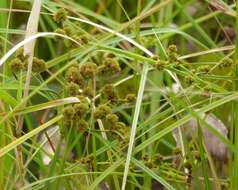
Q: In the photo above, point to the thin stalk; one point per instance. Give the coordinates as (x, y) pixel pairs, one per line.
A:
(234, 129)
(135, 122)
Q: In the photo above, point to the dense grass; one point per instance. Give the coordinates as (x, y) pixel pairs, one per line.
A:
(108, 92)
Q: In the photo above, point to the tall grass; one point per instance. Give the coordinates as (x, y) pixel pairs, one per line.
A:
(173, 61)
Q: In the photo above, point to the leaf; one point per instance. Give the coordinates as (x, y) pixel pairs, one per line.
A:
(47, 105)
(153, 174)
(25, 137)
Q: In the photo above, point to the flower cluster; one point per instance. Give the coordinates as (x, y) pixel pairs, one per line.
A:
(60, 16)
(110, 66)
(20, 63)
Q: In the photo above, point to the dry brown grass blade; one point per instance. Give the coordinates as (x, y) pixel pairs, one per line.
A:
(31, 29)
(222, 6)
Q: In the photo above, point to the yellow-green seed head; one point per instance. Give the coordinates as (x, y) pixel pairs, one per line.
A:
(108, 55)
(120, 126)
(88, 91)
(187, 165)
(60, 16)
(72, 89)
(68, 31)
(204, 69)
(160, 65)
(102, 111)
(227, 62)
(188, 80)
(130, 98)
(83, 40)
(172, 48)
(112, 118)
(73, 75)
(68, 113)
(109, 92)
(16, 65)
(82, 125)
(110, 66)
(83, 99)
(81, 109)
(20, 54)
(172, 54)
(88, 70)
(38, 65)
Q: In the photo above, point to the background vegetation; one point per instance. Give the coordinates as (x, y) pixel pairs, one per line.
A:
(103, 94)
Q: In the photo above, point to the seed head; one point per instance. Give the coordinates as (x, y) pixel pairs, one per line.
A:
(83, 99)
(68, 113)
(110, 93)
(72, 89)
(81, 109)
(120, 126)
(227, 62)
(204, 69)
(112, 118)
(88, 91)
(172, 53)
(82, 125)
(188, 80)
(38, 65)
(130, 98)
(110, 66)
(88, 70)
(16, 65)
(60, 16)
(102, 111)
(172, 48)
(83, 39)
(20, 54)
(73, 75)
(160, 65)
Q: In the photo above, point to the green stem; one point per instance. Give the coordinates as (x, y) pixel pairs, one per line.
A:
(234, 126)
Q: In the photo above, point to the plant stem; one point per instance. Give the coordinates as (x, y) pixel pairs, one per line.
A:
(234, 126)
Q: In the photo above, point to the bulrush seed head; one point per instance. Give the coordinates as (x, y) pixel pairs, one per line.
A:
(227, 62)
(82, 125)
(110, 93)
(20, 54)
(73, 75)
(108, 55)
(83, 99)
(110, 66)
(88, 70)
(130, 98)
(68, 113)
(68, 31)
(204, 69)
(102, 111)
(72, 89)
(88, 91)
(16, 65)
(112, 118)
(60, 16)
(172, 48)
(83, 39)
(120, 126)
(81, 109)
(172, 54)
(38, 65)
(188, 79)
(160, 65)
